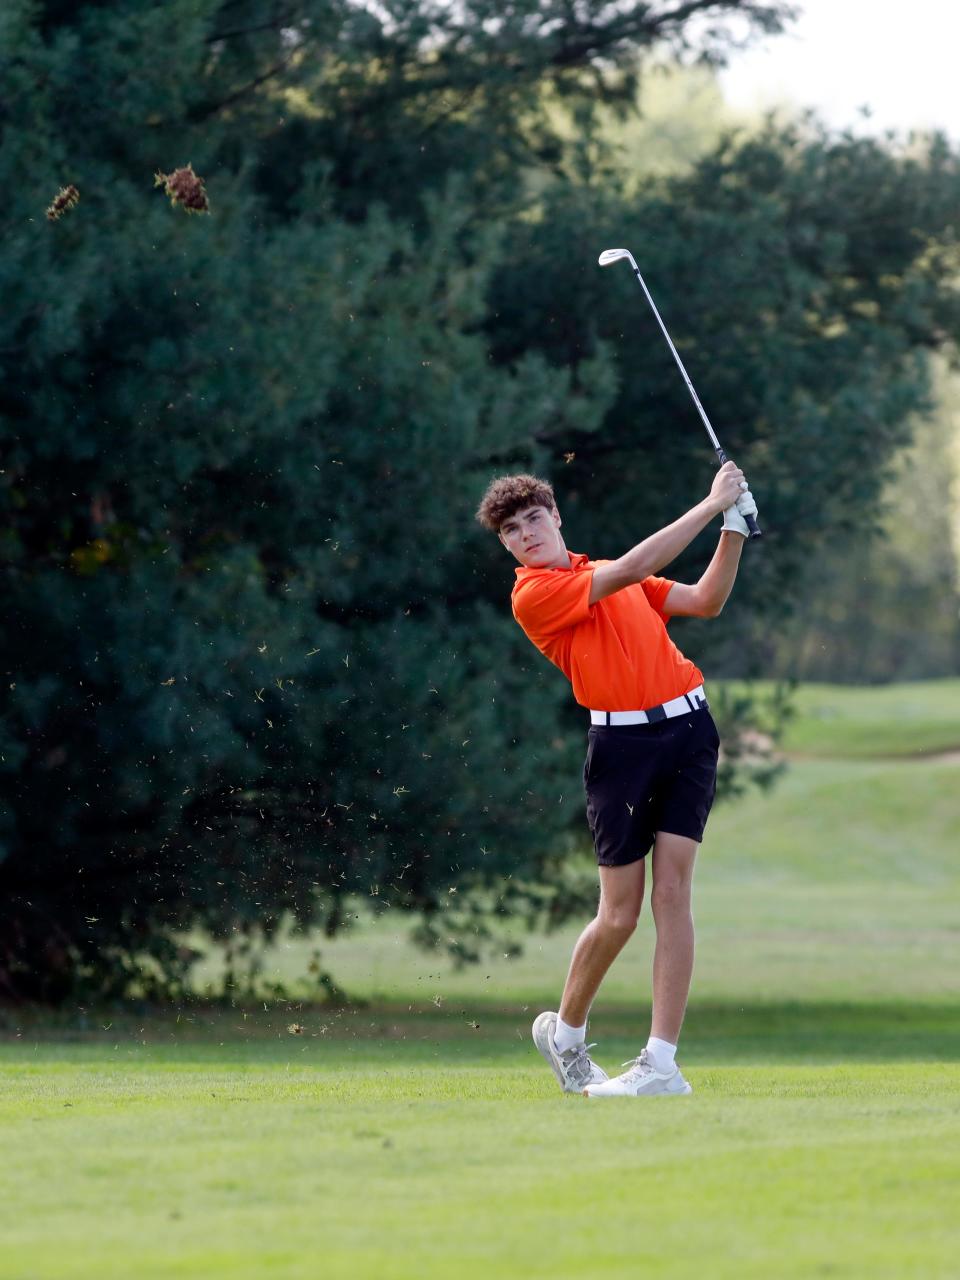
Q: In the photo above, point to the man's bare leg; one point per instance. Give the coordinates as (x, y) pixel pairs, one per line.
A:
(655, 1070)
(621, 896)
(673, 860)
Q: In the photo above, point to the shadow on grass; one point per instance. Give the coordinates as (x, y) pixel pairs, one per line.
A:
(478, 1032)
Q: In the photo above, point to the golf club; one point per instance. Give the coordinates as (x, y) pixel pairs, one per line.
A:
(614, 255)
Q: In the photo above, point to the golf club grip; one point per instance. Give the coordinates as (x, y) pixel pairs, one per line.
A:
(755, 530)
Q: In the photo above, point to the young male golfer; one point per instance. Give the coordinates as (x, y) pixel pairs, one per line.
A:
(651, 766)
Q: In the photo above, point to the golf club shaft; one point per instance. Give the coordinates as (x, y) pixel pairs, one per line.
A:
(751, 522)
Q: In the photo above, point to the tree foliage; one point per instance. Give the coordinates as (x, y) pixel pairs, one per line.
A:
(258, 661)
(902, 574)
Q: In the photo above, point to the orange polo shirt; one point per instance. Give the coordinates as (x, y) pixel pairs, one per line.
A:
(616, 653)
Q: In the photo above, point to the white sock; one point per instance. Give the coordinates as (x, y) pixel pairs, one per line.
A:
(663, 1054)
(565, 1036)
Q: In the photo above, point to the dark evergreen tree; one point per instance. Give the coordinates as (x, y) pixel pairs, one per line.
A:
(257, 658)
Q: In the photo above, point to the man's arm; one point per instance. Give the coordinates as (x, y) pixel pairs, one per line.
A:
(705, 599)
(665, 545)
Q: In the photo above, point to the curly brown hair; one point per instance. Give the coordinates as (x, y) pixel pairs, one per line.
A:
(507, 495)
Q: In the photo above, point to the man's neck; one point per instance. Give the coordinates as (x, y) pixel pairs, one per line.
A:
(562, 560)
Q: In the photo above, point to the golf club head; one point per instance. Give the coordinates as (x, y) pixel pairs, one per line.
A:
(614, 255)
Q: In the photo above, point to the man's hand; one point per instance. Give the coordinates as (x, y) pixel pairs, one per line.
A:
(728, 485)
(734, 518)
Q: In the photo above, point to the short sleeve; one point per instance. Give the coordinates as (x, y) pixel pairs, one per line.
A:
(656, 590)
(552, 602)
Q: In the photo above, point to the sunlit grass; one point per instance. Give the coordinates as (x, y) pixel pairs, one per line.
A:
(356, 1158)
(917, 718)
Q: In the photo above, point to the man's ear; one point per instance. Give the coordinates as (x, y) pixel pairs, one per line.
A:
(556, 517)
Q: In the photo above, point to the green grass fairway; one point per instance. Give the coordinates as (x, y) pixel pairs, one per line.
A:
(456, 1156)
(417, 1136)
(892, 720)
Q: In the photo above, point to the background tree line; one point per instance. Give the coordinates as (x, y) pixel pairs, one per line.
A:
(258, 660)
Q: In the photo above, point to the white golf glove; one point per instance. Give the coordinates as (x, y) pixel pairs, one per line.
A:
(734, 517)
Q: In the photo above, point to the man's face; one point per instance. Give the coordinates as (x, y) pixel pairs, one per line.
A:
(533, 537)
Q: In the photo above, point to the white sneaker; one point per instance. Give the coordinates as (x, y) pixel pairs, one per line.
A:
(574, 1068)
(640, 1080)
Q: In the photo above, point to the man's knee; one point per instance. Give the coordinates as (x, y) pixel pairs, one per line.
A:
(619, 918)
(621, 897)
(671, 896)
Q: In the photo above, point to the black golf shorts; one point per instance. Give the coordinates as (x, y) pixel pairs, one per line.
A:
(645, 778)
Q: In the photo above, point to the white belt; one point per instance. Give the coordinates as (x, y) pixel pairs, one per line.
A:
(687, 702)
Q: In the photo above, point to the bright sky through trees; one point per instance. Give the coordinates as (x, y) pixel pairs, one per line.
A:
(842, 55)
